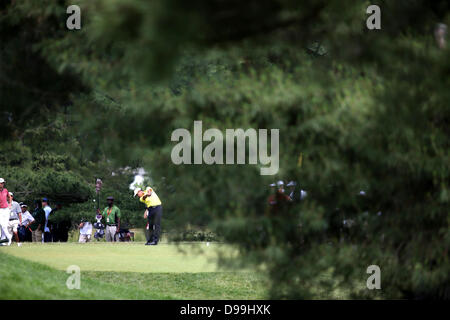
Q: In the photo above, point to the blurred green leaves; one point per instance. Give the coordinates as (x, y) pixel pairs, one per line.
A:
(366, 110)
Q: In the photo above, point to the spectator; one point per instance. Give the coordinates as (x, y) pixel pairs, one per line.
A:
(278, 200)
(291, 185)
(111, 214)
(47, 209)
(14, 218)
(39, 221)
(25, 220)
(63, 228)
(58, 225)
(293, 195)
(85, 231)
(273, 188)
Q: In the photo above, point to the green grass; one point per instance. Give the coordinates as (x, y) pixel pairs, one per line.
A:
(123, 271)
(203, 286)
(131, 271)
(123, 257)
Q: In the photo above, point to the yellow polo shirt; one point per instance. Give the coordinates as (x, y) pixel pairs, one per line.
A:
(150, 201)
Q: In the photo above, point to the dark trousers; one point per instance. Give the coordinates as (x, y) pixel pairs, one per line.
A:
(48, 237)
(22, 232)
(154, 223)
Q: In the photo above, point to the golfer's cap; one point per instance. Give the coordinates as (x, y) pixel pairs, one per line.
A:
(11, 194)
(110, 198)
(291, 183)
(23, 205)
(272, 185)
(280, 183)
(136, 191)
(2, 180)
(44, 200)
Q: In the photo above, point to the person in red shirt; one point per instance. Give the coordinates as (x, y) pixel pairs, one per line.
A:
(5, 206)
(277, 198)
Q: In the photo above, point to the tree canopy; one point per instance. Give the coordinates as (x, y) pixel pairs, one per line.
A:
(363, 109)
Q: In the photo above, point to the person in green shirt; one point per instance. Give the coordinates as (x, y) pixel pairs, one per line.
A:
(111, 216)
(37, 227)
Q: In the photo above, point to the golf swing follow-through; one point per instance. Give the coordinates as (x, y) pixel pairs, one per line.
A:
(152, 213)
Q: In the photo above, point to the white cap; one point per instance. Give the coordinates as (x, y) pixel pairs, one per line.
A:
(11, 194)
(291, 183)
(2, 180)
(272, 185)
(136, 191)
(280, 183)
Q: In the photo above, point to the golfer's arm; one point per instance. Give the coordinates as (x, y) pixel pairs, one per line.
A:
(148, 194)
(30, 223)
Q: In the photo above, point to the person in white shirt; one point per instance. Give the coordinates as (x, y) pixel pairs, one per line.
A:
(14, 218)
(85, 231)
(292, 193)
(25, 220)
(46, 236)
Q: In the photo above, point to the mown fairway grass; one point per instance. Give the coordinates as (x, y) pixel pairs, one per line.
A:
(123, 257)
(123, 271)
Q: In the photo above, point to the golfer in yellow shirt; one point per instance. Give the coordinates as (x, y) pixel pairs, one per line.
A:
(153, 212)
